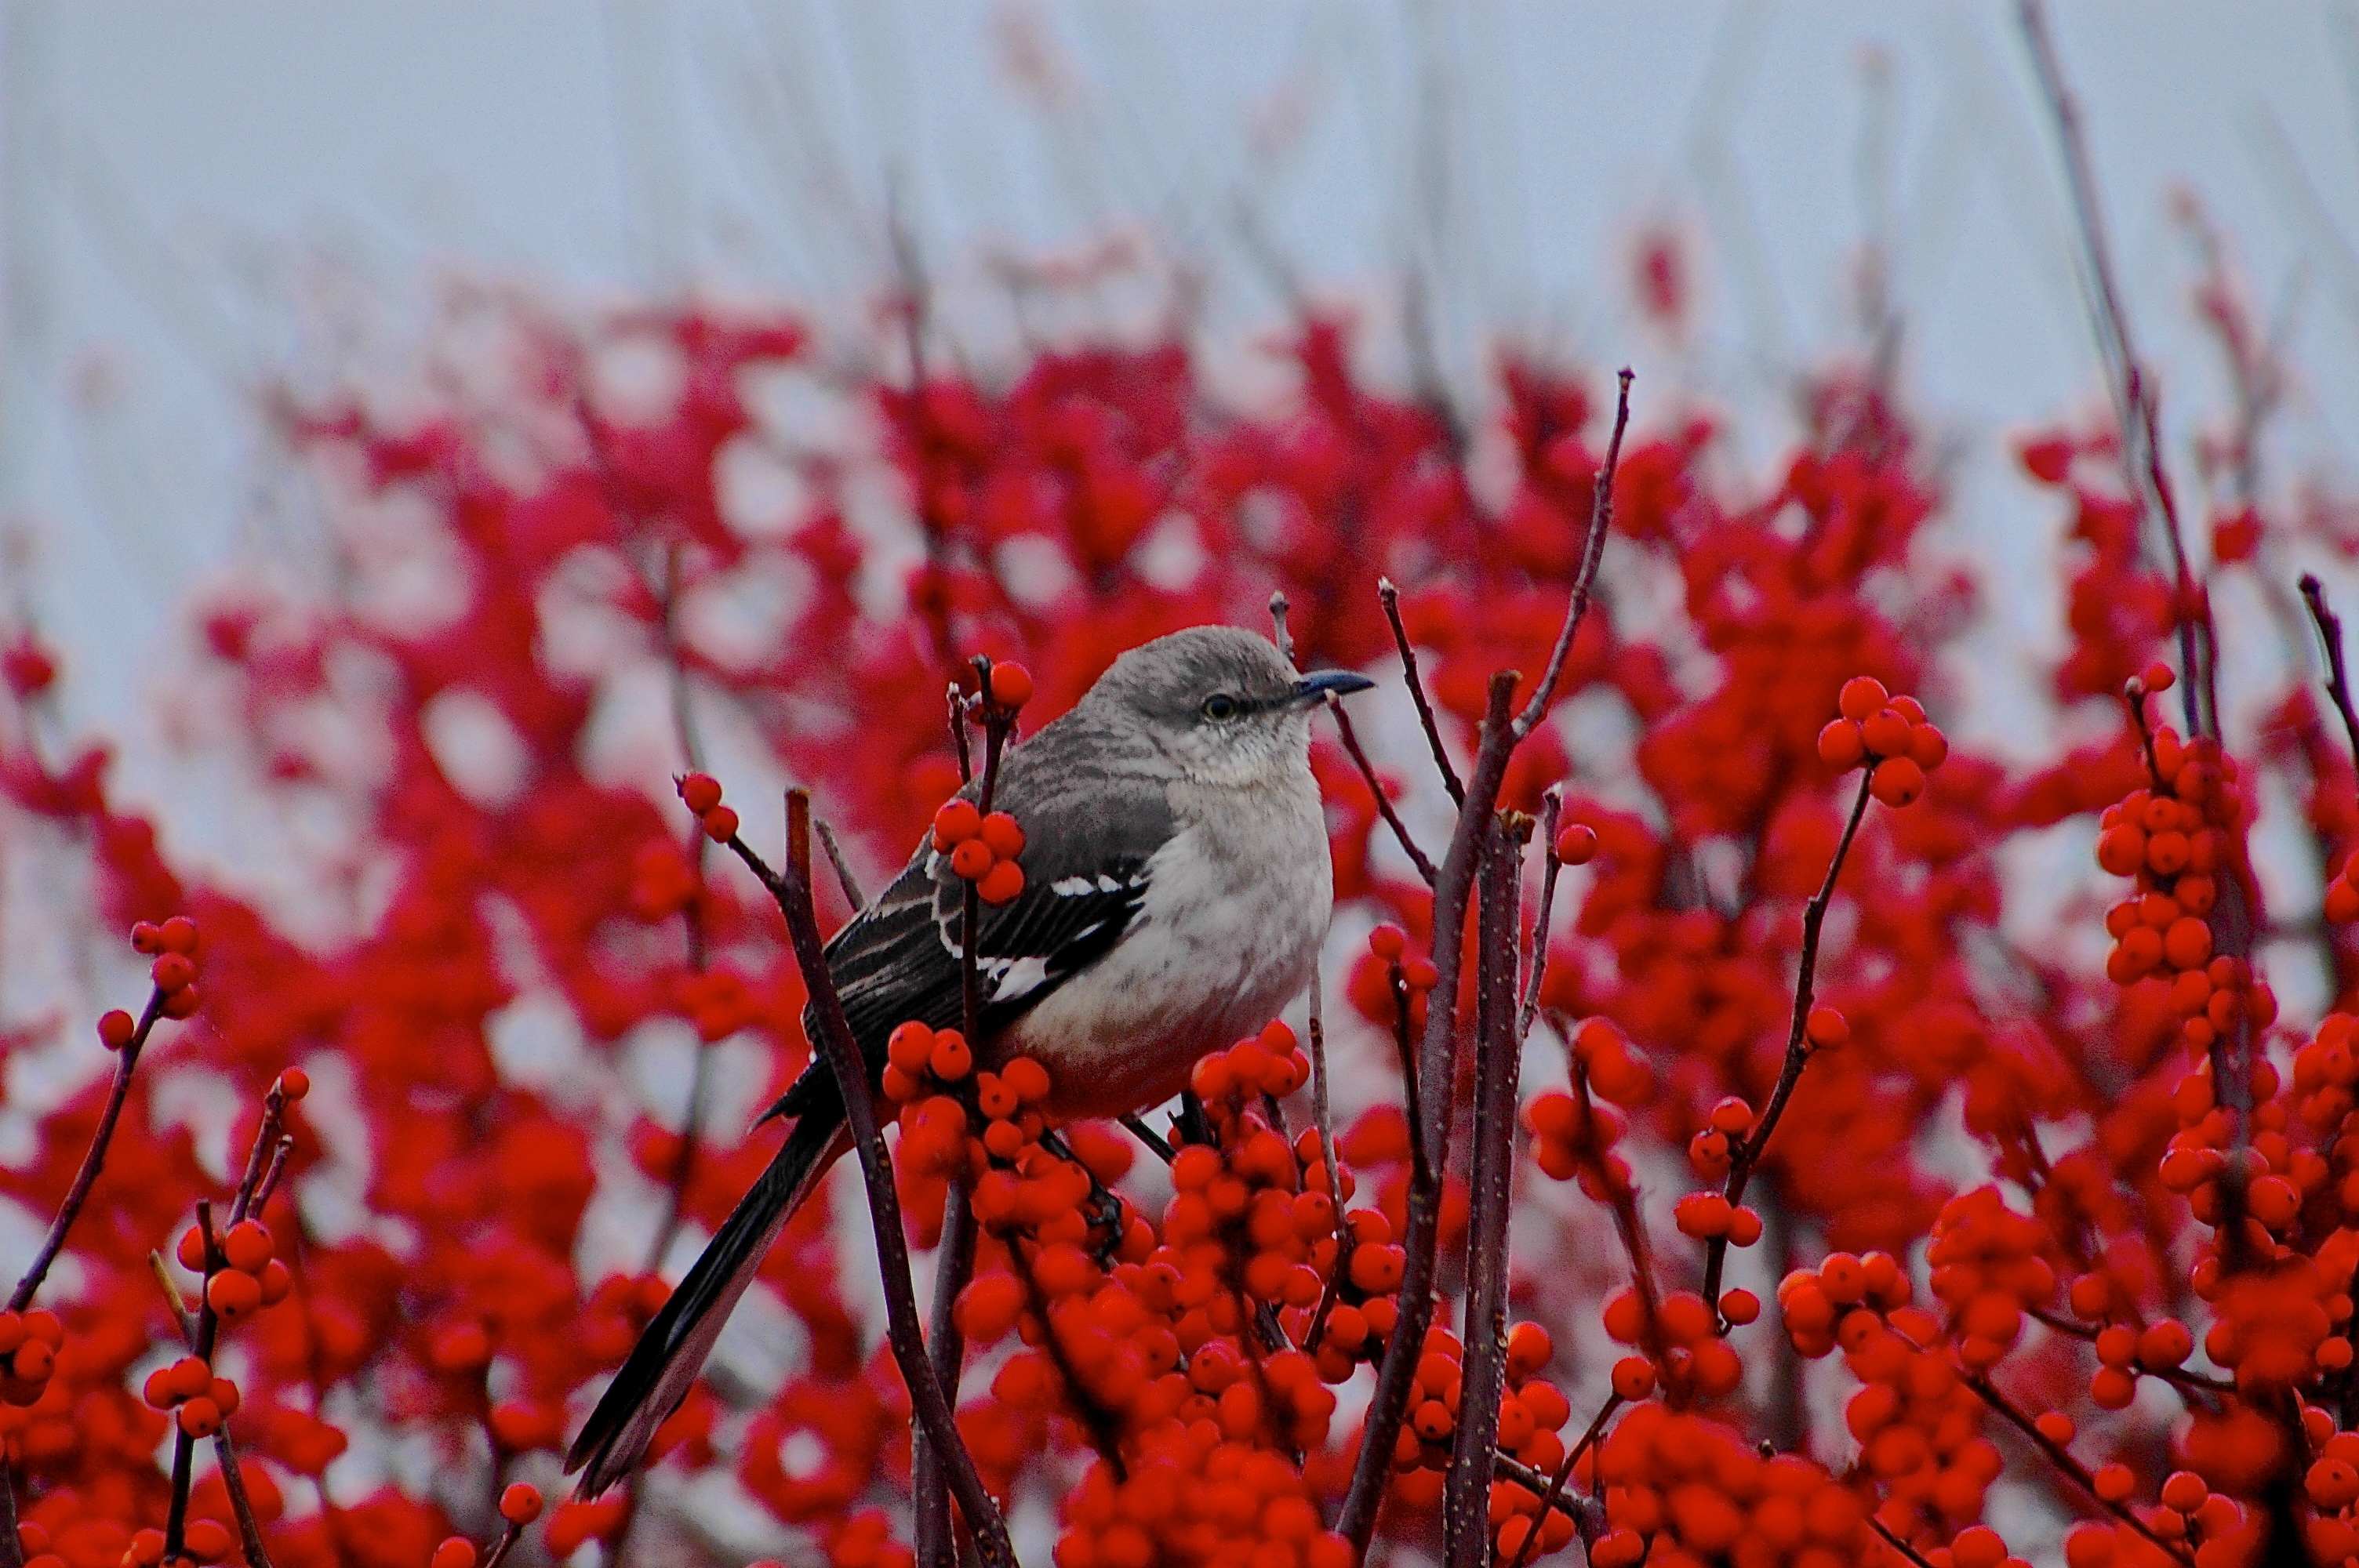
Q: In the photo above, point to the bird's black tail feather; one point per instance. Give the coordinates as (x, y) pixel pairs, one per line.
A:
(665, 1362)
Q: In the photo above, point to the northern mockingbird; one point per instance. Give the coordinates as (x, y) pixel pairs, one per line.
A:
(1177, 888)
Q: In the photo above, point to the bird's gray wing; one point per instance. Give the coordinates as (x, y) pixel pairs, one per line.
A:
(1089, 835)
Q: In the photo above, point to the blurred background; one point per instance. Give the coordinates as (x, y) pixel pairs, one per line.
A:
(198, 202)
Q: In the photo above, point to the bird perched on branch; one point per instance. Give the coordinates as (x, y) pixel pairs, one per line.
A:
(1177, 888)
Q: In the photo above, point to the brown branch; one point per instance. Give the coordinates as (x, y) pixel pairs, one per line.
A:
(93, 1160)
(1376, 787)
(2338, 673)
(1593, 551)
(1551, 811)
(937, 1544)
(1553, 1497)
(1898, 1544)
(844, 877)
(1279, 631)
(241, 1504)
(1389, 597)
(790, 888)
(176, 1516)
(1466, 1538)
(1748, 1151)
(2061, 1457)
(1436, 1076)
(2134, 396)
(1323, 1118)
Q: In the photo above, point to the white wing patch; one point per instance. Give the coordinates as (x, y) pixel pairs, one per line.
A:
(1072, 887)
(1019, 979)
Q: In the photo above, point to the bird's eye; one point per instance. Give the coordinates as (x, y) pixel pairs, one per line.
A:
(1220, 708)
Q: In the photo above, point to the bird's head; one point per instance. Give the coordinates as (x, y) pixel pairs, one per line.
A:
(1221, 704)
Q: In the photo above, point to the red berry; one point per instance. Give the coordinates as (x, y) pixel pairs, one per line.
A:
(294, 1083)
(146, 937)
(179, 935)
(520, 1504)
(720, 824)
(701, 792)
(233, 1294)
(1860, 697)
(201, 1417)
(1003, 834)
(116, 1029)
(955, 823)
(1388, 942)
(1896, 782)
(1011, 685)
(972, 859)
(1841, 745)
(457, 1551)
(1001, 884)
(173, 972)
(1577, 845)
(246, 1245)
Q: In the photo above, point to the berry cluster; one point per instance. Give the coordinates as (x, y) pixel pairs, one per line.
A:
(172, 944)
(701, 795)
(982, 848)
(1888, 735)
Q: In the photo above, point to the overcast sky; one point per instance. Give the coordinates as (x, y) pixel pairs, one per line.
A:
(186, 186)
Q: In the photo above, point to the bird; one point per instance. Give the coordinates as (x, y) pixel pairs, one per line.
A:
(1175, 894)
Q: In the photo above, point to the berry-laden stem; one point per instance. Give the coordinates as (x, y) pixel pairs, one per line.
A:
(93, 1160)
(1553, 1497)
(2061, 1457)
(241, 1504)
(1465, 1522)
(1898, 1544)
(791, 890)
(1438, 1060)
(1747, 1155)
(1435, 1078)
(2338, 670)
(184, 1445)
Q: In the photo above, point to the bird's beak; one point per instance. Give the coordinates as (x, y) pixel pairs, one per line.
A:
(1323, 684)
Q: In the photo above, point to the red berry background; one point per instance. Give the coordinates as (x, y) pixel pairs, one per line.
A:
(1773, 1098)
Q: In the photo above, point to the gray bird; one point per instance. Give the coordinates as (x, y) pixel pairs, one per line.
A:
(1177, 888)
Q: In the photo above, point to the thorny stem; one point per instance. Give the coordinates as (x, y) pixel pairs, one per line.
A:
(790, 888)
(93, 1160)
(1385, 807)
(1389, 597)
(1747, 1155)
(1551, 810)
(1601, 522)
(2338, 673)
(1466, 1527)
(1554, 1497)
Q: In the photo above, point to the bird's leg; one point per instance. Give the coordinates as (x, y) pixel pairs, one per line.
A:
(1189, 1124)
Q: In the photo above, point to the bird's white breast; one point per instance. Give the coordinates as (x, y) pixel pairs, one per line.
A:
(1236, 907)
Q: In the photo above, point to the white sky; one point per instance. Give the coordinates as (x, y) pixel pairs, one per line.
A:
(190, 192)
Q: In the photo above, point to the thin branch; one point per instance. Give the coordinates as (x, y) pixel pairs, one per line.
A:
(1279, 631)
(2061, 1457)
(1554, 1496)
(1601, 522)
(844, 877)
(790, 888)
(937, 1543)
(1384, 809)
(2338, 674)
(241, 1504)
(1748, 1151)
(1389, 597)
(1551, 811)
(1898, 1544)
(1323, 1117)
(175, 1515)
(93, 1160)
